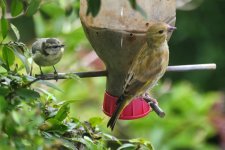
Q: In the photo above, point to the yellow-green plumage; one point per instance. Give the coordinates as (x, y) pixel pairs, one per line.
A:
(147, 67)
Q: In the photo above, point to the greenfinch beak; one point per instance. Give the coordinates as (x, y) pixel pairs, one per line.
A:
(171, 28)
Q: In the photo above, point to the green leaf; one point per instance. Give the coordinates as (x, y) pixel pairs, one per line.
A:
(69, 10)
(16, 7)
(67, 102)
(5, 81)
(3, 104)
(133, 4)
(141, 11)
(93, 7)
(68, 144)
(143, 142)
(4, 91)
(15, 31)
(86, 142)
(62, 113)
(75, 120)
(90, 143)
(8, 56)
(16, 117)
(137, 7)
(23, 59)
(48, 94)
(27, 94)
(95, 121)
(4, 27)
(50, 85)
(49, 8)
(45, 134)
(53, 124)
(3, 66)
(76, 7)
(110, 137)
(9, 126)
(3, 6)
(125, 146)
(33, 7)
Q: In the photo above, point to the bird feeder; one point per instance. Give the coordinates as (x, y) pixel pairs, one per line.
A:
(117, 33)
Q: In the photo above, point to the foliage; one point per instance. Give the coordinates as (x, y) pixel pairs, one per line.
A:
(186, 124)
(198, 40)
(93, 7)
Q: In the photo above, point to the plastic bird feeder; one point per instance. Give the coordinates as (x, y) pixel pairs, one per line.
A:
(137, 108)
(116, 34)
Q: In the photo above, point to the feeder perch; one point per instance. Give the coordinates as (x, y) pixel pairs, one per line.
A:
(116, 34)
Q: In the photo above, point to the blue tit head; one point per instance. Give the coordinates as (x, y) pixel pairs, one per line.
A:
(52, 46)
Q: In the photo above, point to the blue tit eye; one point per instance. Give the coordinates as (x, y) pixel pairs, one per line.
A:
(160, 31)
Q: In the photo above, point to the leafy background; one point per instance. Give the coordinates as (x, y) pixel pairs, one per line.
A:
(193, 101)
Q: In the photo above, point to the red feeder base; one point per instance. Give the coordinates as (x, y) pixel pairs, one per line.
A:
(137, 108)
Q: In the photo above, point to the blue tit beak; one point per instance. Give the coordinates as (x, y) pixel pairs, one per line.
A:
(61, 45)
(171, 28)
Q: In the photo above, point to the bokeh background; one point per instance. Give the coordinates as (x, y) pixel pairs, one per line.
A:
(193, 101)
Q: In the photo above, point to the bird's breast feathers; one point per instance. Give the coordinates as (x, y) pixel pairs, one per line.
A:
(147, 68)
(151, 63)
(47, 60)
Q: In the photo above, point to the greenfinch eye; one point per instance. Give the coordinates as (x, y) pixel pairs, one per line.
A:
(160, 31)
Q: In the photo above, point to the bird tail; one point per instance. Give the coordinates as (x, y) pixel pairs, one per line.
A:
(120, 104)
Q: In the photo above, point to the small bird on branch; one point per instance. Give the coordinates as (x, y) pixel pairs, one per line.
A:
(47, 52)
(146, 69)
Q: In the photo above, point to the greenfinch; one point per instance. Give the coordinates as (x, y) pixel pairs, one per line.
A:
(147, 67)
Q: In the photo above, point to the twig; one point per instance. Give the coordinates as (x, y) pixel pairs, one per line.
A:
(103, 73)
(153, 104)
(51, 76)
(157, 109)
(28, 84)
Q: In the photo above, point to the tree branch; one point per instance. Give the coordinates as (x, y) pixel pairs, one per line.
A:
(103, 73)
(88, 74)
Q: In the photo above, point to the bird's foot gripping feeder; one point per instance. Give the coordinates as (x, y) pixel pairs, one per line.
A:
(117, 34)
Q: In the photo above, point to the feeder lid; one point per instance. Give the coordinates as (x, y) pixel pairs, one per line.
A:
(137, 108)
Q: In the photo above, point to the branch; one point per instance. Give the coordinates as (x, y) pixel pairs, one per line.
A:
(103, 73)
(89, 74)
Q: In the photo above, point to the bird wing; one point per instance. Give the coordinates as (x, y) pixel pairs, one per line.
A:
(144, 72)
(135, 79)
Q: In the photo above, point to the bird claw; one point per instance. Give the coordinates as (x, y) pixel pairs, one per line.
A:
(154, 105)
(42, 74)
(55, 74)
